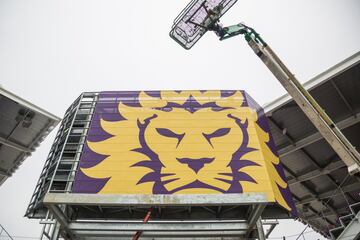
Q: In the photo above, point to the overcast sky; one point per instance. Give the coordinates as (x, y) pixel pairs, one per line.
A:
(51, 51)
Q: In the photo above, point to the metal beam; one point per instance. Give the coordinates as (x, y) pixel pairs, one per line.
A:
(179, 226)
(28, 105)
(281, 130)
(311, 192)
(155, 200)
(331, 179)
(271, 229)
(328, 213)
(332, 166)
(89, 235)
(348, 122)
(61, 218)
(15, 146)
(254, 216)
(317, 80)
(55, 232)
(297, 199)
(260, 230)
(352, 230)
(348, 188)
(291, 140)
(317, 213)
(6, 235)
(308, 105)
(59, 215)
(114, 229)
(343, 98)
(4, 173)
(320, 171)
(320, 216)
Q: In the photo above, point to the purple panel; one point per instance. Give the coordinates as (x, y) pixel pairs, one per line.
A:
(263, 123)
(107, 109)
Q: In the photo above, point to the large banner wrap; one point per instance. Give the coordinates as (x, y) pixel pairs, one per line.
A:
(180, 142)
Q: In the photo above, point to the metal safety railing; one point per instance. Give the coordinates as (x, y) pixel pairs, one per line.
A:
(61, 165)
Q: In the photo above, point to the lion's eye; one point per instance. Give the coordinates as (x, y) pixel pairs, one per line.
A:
(168, 133)
(218, 133)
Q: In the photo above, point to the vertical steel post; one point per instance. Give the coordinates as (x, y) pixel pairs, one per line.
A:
(260, 229)
(56, 231)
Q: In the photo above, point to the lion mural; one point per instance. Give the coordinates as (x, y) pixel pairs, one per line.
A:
(179, 142)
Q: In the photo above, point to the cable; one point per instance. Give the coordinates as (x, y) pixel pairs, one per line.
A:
(294, 235)
(337, 189)
(302, 232)
(334, 193)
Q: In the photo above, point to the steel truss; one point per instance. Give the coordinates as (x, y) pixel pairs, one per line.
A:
(177, 216)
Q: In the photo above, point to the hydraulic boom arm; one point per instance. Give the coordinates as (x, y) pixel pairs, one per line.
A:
(306, 102)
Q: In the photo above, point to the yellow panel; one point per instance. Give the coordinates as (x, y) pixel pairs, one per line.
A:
(183, 142)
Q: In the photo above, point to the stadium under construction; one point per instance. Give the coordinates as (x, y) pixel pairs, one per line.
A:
(147, 163)
(195, 164)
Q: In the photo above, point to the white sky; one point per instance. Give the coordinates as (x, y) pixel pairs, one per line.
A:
(52, 50)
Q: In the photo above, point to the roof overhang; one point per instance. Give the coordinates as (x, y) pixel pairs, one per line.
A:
(318, 179)
(23, 126)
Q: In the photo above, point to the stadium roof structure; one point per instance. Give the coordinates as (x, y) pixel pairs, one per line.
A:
(23, 126)
(318, 179)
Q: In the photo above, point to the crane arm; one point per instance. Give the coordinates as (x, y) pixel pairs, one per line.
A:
(301, 96)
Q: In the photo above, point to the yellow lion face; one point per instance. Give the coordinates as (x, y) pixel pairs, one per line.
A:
(186, 142)
(191, 150)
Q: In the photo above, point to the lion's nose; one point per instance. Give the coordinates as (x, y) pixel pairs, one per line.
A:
(195, 164)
